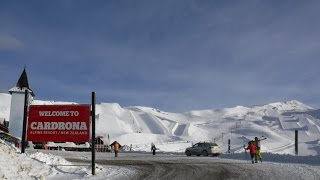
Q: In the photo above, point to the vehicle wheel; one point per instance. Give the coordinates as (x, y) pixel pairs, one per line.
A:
(188, 153)
(205, 153)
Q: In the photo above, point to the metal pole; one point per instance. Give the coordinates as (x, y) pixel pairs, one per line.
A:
(25, 115)
(229, 146)
(296, 142)
(93, 119)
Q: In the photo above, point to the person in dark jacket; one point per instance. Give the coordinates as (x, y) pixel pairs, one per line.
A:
(153, 149)
(116, 147)
(253, 149)
(258, 145)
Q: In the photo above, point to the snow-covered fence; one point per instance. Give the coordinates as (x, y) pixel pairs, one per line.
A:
(175, 142)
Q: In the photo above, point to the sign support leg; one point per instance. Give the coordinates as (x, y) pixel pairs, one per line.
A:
(24, 126)
(93, 136)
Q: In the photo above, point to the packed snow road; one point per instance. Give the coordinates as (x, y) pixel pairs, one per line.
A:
(165, 166)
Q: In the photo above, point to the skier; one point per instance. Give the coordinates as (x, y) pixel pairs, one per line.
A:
(116, 148)
(252, 148)
(258, 145)
(153, 149)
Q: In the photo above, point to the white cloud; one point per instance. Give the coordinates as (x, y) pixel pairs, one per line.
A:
(8, 42)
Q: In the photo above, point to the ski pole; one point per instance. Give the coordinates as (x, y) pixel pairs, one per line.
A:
(245, 152)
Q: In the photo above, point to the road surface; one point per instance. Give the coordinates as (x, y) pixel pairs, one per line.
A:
(163, 166)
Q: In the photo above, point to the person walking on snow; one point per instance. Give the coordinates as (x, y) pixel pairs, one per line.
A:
(116, 148)
(258, 145)
(253, 149)
(153, 149)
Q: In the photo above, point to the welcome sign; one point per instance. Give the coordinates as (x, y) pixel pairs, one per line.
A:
(59, 123)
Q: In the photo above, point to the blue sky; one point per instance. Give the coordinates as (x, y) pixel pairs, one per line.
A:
(172, 55)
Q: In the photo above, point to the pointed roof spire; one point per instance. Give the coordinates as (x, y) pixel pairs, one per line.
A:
(22, 83)
(23, 80)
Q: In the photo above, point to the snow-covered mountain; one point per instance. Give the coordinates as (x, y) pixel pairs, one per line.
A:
(141, 126)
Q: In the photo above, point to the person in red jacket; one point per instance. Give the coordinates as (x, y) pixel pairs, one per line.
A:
(252, 148)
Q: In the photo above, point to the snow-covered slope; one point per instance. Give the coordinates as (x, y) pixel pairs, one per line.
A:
(5, 102)
(141, 126)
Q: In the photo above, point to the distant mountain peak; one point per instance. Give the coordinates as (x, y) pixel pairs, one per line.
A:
(290, 106)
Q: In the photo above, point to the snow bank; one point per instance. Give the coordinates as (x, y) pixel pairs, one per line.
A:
(50, 159)
(14, 165)
(19, 166)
